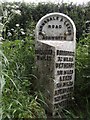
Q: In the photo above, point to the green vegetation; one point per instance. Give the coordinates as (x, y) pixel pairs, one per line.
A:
(25, 16)
(19, 96)
(17, 99)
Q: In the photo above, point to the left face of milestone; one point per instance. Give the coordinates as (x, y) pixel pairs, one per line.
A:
(55, 27)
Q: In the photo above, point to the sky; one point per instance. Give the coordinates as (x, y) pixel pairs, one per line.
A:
(54, 1)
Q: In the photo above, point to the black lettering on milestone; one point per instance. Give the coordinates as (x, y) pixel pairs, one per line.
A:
(67, 24)
(53, 26)
(59, 58)
(53, 18)
(60, 26)
(57, 52)
(56, 26)
(50, 18)
(40, 29)
(52, 38)
(57, 17)
(40, 33)
(61, 19)
(49, 26)
(45, 21)
(68, 27)
(59, 85)
(58, 37)
(43, 24)
(59, 72)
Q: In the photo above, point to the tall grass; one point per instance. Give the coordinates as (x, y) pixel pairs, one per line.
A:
(19, 100)
(2, 58)
(1, 84)
(3, 61)
(16, 77)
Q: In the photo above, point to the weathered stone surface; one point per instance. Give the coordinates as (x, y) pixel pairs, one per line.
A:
(55, 59)
(45, 56)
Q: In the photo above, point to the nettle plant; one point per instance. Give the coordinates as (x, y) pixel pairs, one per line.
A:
(82, 83)
(15, 77)
(7, 15)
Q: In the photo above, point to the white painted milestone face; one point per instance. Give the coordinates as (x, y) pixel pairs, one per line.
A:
(55, 27)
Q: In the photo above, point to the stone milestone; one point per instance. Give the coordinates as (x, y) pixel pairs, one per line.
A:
(55, 59)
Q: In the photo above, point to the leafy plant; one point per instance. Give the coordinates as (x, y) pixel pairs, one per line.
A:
(18, 102)
(83, 68)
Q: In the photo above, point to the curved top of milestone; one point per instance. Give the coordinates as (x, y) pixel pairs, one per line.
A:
(55, 27)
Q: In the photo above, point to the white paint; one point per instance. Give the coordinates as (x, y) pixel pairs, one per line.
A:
(44, 35)
(60, 44)
(56, 32)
